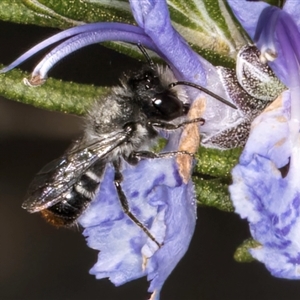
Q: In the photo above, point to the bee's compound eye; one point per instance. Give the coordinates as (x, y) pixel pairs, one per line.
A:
(169, 106)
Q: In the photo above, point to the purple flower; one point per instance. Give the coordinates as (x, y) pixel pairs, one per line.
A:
(266, 182)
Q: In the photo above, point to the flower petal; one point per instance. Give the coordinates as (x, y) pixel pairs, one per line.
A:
(265, 186)
(292, 8)
(153, 17)
(159, 199)
(269, 198)
(69, 33)
(247, 13)
(84, 39)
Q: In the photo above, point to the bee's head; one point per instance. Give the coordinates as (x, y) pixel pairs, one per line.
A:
(155, 92)
(154, 95)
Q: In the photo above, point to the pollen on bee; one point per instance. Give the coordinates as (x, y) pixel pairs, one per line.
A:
(53, 219)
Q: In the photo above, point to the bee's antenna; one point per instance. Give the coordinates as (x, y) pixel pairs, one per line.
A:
(171, 85)
(144, 52)
(199, 87)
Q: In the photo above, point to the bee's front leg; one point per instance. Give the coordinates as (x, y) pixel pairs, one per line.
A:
(136, 156)
(171, 126)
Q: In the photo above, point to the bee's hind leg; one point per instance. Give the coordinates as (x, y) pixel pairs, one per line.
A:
(125, 205)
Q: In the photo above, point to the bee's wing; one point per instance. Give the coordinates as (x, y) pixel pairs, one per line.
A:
(59, 175)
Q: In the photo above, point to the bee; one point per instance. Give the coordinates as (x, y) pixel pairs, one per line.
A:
(122, 125)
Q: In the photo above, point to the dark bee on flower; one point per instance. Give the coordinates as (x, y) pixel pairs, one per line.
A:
(122, 125)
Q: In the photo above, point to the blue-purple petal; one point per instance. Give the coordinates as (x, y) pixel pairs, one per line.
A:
(268, 196)
(86, 28)
(247, 13)
(159, 199)
(87, 38)
(153, 17)
(181, 218)
(292, 8)
(261, 142)
(266, 187)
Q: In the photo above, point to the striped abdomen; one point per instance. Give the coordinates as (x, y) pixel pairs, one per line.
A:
(77, 198)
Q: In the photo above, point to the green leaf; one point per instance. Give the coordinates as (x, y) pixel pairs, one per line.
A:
(242, 254)
(47, 12)
(90, 11)
(15, 11)
(212, 177)
(209, 27)
(54, 95)
(216, 162)
(213, 192)
(63, 13)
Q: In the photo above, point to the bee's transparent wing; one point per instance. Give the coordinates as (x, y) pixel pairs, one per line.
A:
(59, 175)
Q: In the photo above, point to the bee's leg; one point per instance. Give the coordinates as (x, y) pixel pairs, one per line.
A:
(124, 202)
(136, 156)
(171, 126)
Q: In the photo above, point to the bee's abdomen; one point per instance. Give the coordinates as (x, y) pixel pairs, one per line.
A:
(76, 199)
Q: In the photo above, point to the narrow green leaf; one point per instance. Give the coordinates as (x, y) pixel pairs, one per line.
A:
(91, 11)
(208, 25)
(213, 192)
(63, 13)
(54, 95)
(212, 177)
(215, 58)
(181, 17)
(216, 163)
(15, 11)
(242, 254)
(47, 12)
